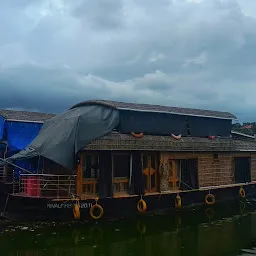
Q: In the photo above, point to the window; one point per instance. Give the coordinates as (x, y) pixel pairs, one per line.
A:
(189, 174)
(174, 173)
(183, 174)
(242, 169)
(150, 172)
(90, 174)
(121, 164)
(91, 166)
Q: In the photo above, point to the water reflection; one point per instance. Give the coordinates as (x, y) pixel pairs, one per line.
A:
(211, 232)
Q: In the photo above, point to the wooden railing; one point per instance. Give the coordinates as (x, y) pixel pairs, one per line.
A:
(120, 185)
(89, 186)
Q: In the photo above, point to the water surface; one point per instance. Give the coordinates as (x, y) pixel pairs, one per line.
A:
(164, 234)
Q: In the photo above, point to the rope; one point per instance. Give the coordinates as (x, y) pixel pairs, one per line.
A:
(186, 185)
(7, 162)
(6, 201)
(38, 163)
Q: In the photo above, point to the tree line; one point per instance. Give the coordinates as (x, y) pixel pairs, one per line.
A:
(247, 128)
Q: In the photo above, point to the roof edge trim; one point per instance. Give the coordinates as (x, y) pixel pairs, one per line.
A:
(174, 113)
(243, 134)
(24, 121)
(219, 114)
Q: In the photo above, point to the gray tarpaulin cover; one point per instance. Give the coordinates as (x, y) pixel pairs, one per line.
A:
(62, 136)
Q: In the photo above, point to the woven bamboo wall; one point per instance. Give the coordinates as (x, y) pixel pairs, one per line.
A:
(213, 172)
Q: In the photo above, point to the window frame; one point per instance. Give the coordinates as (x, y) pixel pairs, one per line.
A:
(234, 169)
(149, 171)
(91, 182)
(121, 180)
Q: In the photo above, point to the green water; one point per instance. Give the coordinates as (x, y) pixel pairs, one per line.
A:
(150, 235)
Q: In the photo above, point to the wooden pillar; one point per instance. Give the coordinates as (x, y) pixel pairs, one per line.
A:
(79, 180)
(173, 179)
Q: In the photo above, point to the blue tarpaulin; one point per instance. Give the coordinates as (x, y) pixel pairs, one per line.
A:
(2, 121)
(33, 166)
(2, 146)
(21, 134)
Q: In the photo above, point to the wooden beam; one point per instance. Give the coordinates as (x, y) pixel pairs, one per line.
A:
(79, 181)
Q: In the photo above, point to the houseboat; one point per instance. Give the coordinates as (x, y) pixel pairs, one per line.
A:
(17, 130)
(105, 159)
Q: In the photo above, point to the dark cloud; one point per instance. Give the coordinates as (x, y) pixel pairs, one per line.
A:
(101, 14)
(18, 4)
(46, 89)
(175, 52)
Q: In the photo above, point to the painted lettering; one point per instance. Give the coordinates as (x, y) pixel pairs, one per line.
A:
(68, 205)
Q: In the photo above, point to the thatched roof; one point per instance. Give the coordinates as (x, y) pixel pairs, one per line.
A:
(17, 115)
(116, 141)
(159, 109)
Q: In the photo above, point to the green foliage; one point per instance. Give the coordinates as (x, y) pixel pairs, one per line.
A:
(245, 128)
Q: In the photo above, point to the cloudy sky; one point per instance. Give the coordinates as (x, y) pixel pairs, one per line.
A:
(187, 53)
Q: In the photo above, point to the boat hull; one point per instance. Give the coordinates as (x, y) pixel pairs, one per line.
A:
(43, 209)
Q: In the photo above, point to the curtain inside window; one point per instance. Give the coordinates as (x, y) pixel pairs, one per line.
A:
(242, 169)
(137, 185)
(105, 179)
(189, 174)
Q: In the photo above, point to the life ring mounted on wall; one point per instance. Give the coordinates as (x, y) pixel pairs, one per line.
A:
(137, 135)
(242, 192)
(141, 205)
(177, 202)
(210, 199)
(96, 207)
(76, 210)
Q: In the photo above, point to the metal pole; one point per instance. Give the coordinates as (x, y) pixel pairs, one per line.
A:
(7, 162)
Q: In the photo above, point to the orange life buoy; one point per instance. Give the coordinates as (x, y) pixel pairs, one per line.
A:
(76, 210)
(176, 137)
(96, 206)
(210, 199)
(137, 135)
(141, 206)
(177, 202)
(242, 192)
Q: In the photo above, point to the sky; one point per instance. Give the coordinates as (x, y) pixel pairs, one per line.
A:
(186, 53)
